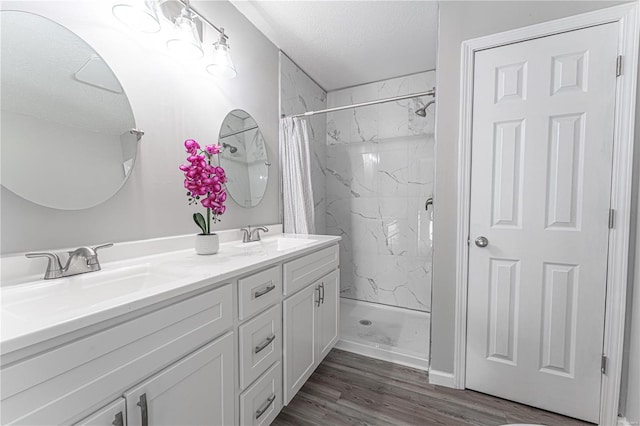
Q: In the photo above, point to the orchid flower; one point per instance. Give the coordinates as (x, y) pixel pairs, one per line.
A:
(204, 183)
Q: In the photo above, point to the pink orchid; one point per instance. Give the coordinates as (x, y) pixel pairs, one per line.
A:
(191, 146)
(213, 149)
(203, 182)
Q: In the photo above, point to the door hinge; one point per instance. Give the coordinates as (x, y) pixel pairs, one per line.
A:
(603, 364)
(612, 218)
(619, 66)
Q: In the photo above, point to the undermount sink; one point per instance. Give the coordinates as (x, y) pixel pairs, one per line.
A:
(285, 243)
(80, 292)
(273, 243)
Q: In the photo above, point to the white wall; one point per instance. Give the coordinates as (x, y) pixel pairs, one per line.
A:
(172, 101)
(459, 21)
(631, 406)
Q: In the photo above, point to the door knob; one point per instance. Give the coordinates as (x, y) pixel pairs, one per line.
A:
(482, 242)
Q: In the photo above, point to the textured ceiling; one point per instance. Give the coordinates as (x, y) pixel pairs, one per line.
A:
(346, 43)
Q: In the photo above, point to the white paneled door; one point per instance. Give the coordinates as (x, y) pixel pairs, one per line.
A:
(543, 115)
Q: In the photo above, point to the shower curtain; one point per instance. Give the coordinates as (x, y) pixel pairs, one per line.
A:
(295, 166)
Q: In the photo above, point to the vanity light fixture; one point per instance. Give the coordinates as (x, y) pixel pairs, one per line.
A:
(139, 14)
(186, 42)
(222, 65)
(188, 30)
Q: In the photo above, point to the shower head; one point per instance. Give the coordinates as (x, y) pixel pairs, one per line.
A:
(422, 112)
(232, 149)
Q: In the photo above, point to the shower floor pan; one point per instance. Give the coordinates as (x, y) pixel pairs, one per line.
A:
(385, 332)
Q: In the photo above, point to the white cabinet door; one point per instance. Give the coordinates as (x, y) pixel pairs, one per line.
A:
(328, 321)
(197, 390)
(299, 339)
(111, 415)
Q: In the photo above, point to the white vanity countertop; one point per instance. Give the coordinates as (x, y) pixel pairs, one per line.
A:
(39, 310)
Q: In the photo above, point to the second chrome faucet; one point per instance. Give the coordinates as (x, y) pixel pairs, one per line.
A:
(250, 235)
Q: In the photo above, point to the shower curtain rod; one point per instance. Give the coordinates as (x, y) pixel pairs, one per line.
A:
(431, 92)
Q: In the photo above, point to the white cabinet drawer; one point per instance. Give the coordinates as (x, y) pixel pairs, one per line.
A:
(261, 403)
(258, 291)
(51, 387)
(260, 344)
(303, 271)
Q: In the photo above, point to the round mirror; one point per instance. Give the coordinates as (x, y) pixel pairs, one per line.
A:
(67, 126)
(244, 158)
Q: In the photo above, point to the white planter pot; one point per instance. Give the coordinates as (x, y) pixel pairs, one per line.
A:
(207, 243)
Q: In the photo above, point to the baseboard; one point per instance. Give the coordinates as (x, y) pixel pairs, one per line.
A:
(384, 355)
(441, 378)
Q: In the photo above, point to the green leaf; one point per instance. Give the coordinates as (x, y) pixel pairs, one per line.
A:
(199, 220)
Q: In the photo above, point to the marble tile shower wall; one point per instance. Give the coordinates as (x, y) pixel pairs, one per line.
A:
(298, 94)
(379, 173)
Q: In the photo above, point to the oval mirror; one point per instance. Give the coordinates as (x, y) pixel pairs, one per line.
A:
(244, 158)
(67, 139)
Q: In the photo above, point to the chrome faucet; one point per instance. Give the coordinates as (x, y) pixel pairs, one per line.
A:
(80, 261)
(250, 235)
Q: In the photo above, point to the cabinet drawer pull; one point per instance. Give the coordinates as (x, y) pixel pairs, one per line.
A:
(118, 420)
(260, 411)
(264, 344)
(322, 294)
(143, 409)
(265, 291)
(318, 301)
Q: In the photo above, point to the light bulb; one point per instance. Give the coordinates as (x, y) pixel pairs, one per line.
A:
(222, 65)
(186, 41)
(140, 15)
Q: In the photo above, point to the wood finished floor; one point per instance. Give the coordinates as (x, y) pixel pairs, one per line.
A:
(350, 389)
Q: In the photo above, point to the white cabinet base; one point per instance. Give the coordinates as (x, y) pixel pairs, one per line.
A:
(215, 356)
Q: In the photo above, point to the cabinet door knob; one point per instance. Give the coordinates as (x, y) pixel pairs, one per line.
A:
(143, 409)
(260, 411)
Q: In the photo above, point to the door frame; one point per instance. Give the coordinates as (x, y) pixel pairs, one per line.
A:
(628, 16)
